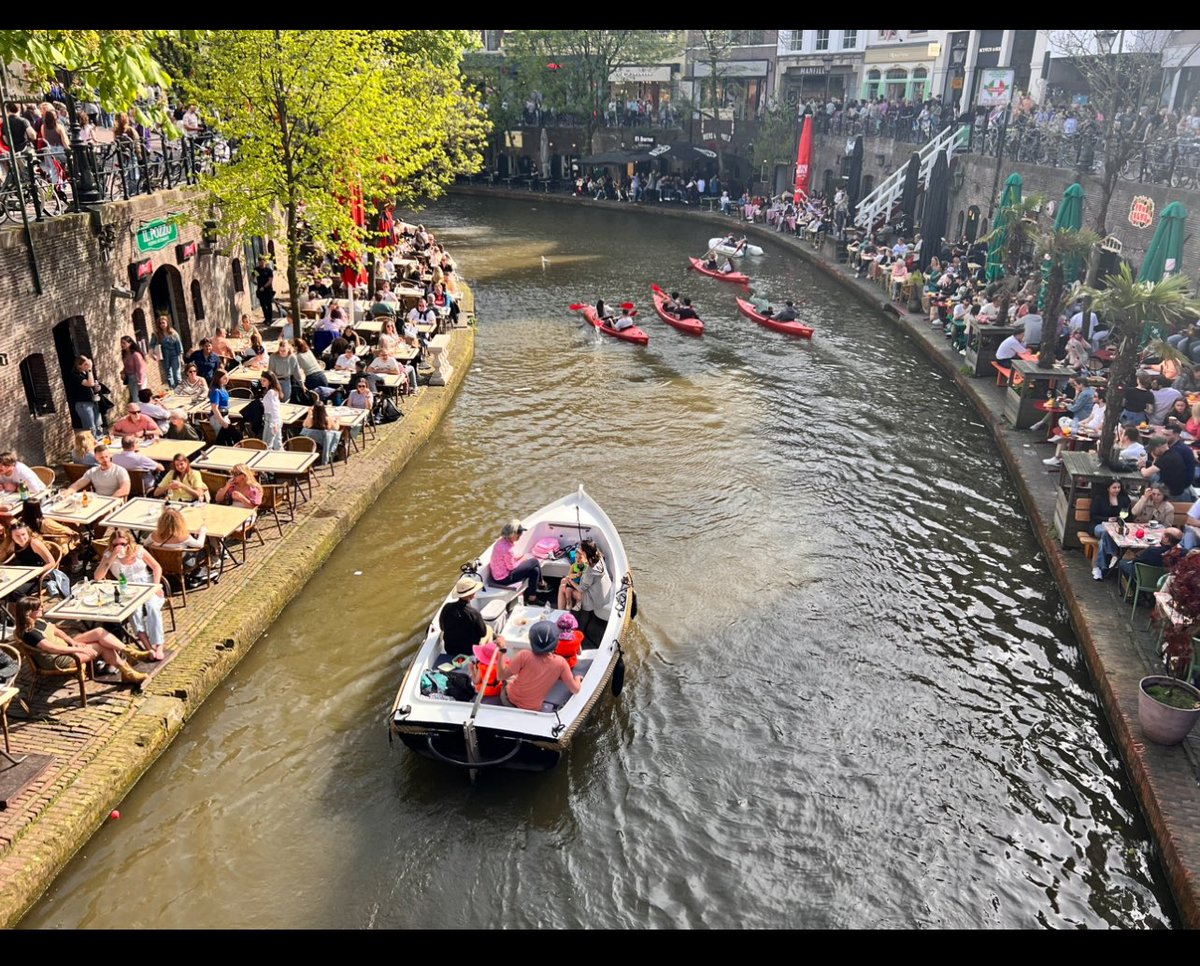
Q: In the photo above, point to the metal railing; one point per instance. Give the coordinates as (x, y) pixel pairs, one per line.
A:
(117, 171)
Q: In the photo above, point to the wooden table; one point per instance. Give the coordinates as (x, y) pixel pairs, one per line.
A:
(370, 326)
(1130, 540)
(1082, 475)
(244, 375)
(13, 577)
(222, 459)
(141, 514)
(164, 450)
(82, 516)
(191, 405)
(283, 462)
(288, 412)
(109, 611)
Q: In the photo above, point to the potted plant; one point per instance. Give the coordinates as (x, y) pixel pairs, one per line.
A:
(914, 287)
(1168, 704)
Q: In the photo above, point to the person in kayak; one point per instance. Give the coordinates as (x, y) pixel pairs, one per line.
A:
(787, 313)
(727, 266)
(685, 311)
(671, 302)
(761, 305)
(603, 313)
(624, 322)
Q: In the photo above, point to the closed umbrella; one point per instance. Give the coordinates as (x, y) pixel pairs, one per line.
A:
(908, 197)
(1010, 197)
(937, 202)
(854, 179)
(1069, 217)
(544, 152)
(1165, 254)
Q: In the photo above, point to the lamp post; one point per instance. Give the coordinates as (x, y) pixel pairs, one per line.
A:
(958, 57)
(827, 61)
(84, 189)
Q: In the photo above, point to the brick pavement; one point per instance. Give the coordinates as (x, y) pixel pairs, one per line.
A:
(100, 752)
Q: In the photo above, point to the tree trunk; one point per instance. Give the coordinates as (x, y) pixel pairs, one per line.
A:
(1107, 187)
(1054, 292)
(1122, 373)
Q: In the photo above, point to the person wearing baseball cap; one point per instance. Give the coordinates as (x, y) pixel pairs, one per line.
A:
(509, 568)
(463, 628)
(532, 673)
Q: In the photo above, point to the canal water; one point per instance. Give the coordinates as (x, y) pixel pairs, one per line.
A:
(853, 698)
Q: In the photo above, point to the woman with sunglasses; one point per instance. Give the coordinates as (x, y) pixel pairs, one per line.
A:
(55, 649)
(361, 396)
(242, 489)
(125, 558)
(192, 384)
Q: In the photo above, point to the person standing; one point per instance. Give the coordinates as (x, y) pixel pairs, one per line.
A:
(133, 366)
(272, 432)
(168, 347)
(264, 280)
(83, 390)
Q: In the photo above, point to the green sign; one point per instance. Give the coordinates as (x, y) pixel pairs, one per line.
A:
(156, 235)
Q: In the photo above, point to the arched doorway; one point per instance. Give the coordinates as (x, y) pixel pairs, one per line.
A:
(70, 341)
(167, 298)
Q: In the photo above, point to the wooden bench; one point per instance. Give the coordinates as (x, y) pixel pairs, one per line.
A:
(1002, 375)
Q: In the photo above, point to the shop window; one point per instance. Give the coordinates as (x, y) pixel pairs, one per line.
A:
(822, 40)
(849, 39)
(873, 79)
(919, 83)
(37, 385)
(897, 83)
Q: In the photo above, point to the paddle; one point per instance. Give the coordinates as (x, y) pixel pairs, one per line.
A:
(575, 307)
(654, 288)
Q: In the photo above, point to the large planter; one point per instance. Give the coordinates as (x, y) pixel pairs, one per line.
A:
(1161, 723)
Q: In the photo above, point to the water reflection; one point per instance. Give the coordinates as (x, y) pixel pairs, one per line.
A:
(853, 696)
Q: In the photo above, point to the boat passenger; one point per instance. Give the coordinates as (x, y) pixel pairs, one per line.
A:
(624, 322)
(463, 628)
(685, 311)
(787, 313)
(509, 568)
(569, 594)
(570, 639)
(596, 587)
(485, 669)
(671, 302)
(602, 312)
(531, 675)
(727, 266)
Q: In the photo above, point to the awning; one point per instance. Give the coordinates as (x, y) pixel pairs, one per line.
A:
(683, 151)
(617, 157)
(637, 74)
(732, 68)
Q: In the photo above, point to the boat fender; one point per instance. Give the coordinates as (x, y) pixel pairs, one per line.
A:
(618, 678)
(633, 606)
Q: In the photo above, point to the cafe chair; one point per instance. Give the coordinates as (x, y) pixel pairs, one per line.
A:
(15, 655)
(251, 443)
(207, 432)
(303, 444)
(1145, 581)
(214, 482)
(44, 473)
(174, 563)
(41, 665)
(74, 471)
(241, 392)
(275, 496)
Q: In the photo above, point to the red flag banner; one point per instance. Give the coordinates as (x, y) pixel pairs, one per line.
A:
(353, 272)
(804, 159)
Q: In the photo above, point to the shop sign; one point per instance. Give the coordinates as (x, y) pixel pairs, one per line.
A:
(1141, 212)
(154, 236)
(185, 252)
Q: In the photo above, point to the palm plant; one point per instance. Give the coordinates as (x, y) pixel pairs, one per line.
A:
(1126, 304)
(1062, 248)
(1021, 230)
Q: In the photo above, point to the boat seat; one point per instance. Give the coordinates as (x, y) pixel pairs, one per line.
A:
(560, 693)
(494, 612)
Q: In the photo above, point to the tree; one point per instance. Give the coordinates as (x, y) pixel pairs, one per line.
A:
(715, 47)
(320, 116)
(1124, 91)
(1061, 248)
(1126, 304)
(776, 143)
(119, 65)
(499, 92)
(584, 62)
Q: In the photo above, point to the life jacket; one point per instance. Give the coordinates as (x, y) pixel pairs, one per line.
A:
(491, 687)
(569, 647)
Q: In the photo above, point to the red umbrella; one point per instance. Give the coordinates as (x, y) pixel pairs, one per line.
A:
(353, 272)
(804, 159)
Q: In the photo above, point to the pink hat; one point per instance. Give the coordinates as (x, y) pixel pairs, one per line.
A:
(567, 625)
(485, 651)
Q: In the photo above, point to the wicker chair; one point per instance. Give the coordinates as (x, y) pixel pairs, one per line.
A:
(214, 482)
(13, 652)
(302, 444)
(251, 443)
(44, 473)
(173, 563)
(80, 670)
(74, 471)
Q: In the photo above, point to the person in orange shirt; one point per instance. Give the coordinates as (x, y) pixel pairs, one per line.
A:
(530, 676)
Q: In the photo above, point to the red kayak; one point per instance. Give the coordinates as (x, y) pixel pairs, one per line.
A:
(737, 277)
(636, 335)
(791, 328)
(690, 326)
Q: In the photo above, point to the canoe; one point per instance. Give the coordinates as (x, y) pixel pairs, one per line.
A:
(484, 733)
(738, 277)
(690, 326)
(716, 246)
(791, 328)
(636, 335)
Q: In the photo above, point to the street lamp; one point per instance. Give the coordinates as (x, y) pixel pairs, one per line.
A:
(1106, 38)
(827, 61)
(83, 160)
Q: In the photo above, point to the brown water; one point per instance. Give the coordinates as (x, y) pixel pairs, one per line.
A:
(853, 697)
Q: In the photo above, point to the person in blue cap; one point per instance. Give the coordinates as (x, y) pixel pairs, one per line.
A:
(530, 676)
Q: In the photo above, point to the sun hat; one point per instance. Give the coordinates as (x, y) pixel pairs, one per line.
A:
(543, 637)
(512, 528)
(567, 625)
(467, 586)
(483, 652)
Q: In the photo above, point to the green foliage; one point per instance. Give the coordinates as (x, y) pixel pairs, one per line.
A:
(319, 113)
(777, 135)
(118, 65)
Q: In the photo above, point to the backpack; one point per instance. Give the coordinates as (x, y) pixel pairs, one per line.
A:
(459, 686)
(386, 411)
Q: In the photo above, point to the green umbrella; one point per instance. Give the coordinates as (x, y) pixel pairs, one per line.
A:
(1069, 217)
(1010, 197)
(1165, 254)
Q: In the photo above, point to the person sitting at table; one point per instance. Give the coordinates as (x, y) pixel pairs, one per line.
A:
(1188, 380)
(135, 463)
(178, 428)
(360, 396)
(23, 547)
(14, 474)
(422, 314)
(81, 451)
(531, 675)
(509, 568)
(136, 423)
(1153, 506)
(327, 329)
(441, 299)
(347, 361)
(1152, 556)
(389, 338)
(193, 386)
(381, 307)
(182, 483)
(385, 364)
(256, 357)
(1129, 446)
(1079, 410)
(1164, 398)
(221, 346)
(1167, 467)
(124, 558)
(1186, 454)
(286, 367)
(205, 361)
(1010, 349)
(272, 400)
(352, 337)
(1078, 351)
(106, 477)
(53, 647)
(311, 370)
(1178, 415)
(1107, 507)
(462, 626)
(171, 532)
(324, 429)
(243, 489)
(153, 410)
(1139, 401)
(245, 326)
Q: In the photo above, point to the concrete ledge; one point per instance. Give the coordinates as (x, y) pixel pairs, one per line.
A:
(221, 626)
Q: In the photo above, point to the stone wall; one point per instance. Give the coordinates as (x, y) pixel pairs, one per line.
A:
(979, 178)
(77, 278)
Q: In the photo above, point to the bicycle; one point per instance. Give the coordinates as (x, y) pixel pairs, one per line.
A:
(47, 197)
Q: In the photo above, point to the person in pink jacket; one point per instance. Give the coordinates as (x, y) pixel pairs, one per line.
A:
(509, 567)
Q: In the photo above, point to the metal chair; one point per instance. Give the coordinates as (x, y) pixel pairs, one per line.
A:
(275, 495)
(174, 564)
(303, 444)
(241, 392)
(1145, 580)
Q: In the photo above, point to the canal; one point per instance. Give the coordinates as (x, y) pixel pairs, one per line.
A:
(853, 697)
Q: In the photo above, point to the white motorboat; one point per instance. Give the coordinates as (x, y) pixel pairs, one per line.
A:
(719, 246)
(481, 732)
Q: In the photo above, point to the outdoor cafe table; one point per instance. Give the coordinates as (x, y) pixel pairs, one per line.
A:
(245, 376)
(1130, 540)
(1053, 410)
(222, 459)
(1030, 384)
(350, 419)
(370, 326)
(192, 405)
(165, 450)
(1081, 475)
(70, 509)
(107, 610)
(141, 515)
(288, 412)
(10, 579)
(290, 463)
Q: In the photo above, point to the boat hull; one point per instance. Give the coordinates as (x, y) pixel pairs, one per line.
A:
(791, 328)
(738, 278)
(690, 326)
(716, 246)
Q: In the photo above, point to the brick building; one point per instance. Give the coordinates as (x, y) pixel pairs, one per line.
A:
(86, 264)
